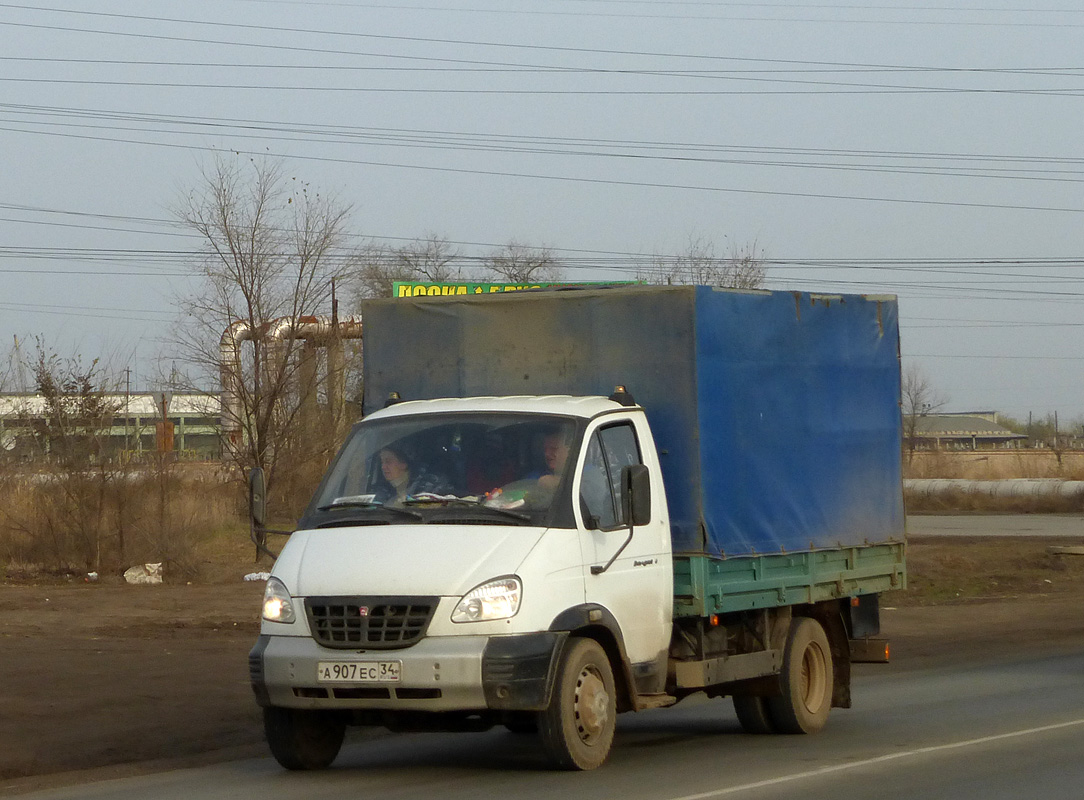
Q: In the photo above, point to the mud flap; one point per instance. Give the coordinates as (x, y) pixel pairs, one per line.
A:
(518, 671)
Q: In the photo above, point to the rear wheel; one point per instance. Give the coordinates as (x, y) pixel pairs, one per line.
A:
(302, 739)
(806, 678)
(577, 728)
(753, 714)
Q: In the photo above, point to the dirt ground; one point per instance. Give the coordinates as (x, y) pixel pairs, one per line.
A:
(119, 679)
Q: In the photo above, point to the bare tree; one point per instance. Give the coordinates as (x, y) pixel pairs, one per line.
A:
(431, 259)
(273, 248)
(71, 520)
(918, 397)
(700, 265)
(1047, 431)
(519, 263)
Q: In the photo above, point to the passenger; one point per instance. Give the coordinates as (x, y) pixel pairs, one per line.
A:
(404, 478)
(555, 454)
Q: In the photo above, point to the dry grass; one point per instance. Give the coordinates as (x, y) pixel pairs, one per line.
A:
(956, 501)
(53, 528)
(992, 465)
(944, 570)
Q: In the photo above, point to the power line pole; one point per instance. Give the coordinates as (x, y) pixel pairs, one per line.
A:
(127, 411)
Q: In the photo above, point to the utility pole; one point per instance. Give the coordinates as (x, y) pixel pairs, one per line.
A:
(127, 411)
(22, 385)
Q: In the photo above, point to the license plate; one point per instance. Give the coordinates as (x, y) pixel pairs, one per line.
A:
(358, 671)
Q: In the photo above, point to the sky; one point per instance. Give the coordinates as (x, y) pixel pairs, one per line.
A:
(931, 150)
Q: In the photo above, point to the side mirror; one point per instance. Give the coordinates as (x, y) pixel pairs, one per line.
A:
(636, 494)
(636, 505)
(257, 497)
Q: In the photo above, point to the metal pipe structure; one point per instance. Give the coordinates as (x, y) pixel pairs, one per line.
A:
(229, 365)
(316, 332)
(1009, 487)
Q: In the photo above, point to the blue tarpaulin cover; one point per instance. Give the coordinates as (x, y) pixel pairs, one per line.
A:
(776, 414)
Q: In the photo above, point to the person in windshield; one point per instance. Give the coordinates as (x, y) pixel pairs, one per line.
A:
(555, 454)
(404, 477)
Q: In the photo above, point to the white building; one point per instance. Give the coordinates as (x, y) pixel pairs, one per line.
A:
(133, 427)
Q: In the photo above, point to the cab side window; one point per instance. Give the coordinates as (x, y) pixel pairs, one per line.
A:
(609, 449)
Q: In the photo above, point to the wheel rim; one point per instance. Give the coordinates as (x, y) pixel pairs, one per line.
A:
(814, 678)
(592, 705)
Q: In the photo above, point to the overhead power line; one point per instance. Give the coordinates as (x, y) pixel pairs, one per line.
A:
(844, 89)
(942, 281)
(997, 357)
(977, 266)
(367, 133)
(552, 10)
(293, 32)
(910, 20)
(485, 67)
(92, 312)
(1025, 169)
(581, 178)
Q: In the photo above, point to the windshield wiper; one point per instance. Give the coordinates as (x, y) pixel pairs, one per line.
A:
(473, 504)
(355, 502)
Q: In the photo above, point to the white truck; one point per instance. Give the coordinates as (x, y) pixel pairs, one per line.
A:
(510, 547)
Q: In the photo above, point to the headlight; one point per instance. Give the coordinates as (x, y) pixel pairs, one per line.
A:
(277, 606)
(495, 599)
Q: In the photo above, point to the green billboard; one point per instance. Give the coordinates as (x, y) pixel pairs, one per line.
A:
(451, 289)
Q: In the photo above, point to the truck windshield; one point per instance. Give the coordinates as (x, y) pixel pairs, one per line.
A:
(466, 467)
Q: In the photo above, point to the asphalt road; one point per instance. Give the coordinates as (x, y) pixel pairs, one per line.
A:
(1012, 727)
(1068, 526)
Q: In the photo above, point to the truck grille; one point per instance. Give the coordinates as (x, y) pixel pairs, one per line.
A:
(379, 623)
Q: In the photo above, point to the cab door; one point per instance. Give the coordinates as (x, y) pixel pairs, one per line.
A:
(637, 588)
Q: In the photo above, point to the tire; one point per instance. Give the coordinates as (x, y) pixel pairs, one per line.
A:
(753, 714)
(806, 678)
(302, 739)
(577, 728)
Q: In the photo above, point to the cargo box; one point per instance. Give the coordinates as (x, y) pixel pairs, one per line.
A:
(776, 414)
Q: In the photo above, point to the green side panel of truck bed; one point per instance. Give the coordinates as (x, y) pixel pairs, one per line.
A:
(704, 586)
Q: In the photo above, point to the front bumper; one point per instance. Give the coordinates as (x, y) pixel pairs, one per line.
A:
(439, 673)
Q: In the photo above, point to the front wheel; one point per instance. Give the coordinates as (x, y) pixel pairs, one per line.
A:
(807, 679)
(577, 728)
(301, 739)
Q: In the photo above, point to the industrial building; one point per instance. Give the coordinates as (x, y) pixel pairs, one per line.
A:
(970, 430)
(131, 428)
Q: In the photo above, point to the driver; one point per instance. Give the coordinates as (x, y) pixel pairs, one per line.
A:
(404, 477)
(555, 454)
